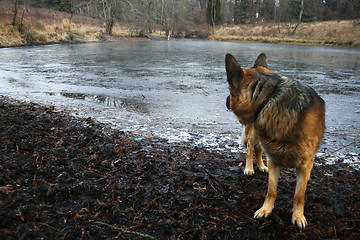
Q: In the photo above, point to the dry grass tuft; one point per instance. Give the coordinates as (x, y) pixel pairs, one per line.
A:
(9, 35)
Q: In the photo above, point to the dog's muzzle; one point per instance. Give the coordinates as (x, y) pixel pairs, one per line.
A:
(228, 102)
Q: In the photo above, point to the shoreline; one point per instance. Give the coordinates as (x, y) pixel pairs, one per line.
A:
(121, 39)
(296, 43)
(139, 39)
(66, 176)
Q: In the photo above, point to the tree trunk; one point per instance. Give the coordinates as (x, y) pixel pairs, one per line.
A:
(22, 15)
(107, 6)
(213, 16)
(15, 12)
(274, 27)
(300, 16)
(109, 26)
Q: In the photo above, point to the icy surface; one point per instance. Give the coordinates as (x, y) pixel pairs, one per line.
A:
(177, 90)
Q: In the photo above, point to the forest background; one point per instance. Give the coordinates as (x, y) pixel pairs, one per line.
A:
(319, 22)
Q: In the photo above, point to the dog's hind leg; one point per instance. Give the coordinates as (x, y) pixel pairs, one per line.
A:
(249, 167)
(258, 157)
(268, 206)
(302, 177)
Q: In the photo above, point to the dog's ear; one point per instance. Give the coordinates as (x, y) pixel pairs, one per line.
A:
(261, 61)
(234, 72)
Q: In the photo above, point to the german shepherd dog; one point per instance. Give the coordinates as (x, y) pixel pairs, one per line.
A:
(288, 119)
(252, 144)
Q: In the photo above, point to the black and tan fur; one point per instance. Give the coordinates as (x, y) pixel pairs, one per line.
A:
(252, 144)
(288, 119)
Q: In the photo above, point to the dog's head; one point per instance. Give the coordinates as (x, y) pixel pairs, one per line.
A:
(250, 88)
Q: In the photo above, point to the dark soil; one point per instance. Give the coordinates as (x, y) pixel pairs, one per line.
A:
(63, 177)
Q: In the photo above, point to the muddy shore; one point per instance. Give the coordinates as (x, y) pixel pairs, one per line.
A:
(64, 177)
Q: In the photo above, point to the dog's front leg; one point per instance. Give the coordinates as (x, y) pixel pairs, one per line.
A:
(302, 177)
(268, 206)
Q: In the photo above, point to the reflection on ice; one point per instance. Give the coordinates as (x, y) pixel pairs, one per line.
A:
(130, 104)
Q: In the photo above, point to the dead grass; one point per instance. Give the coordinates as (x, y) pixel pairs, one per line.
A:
(342, 33)
(9, 35)
(49, 26)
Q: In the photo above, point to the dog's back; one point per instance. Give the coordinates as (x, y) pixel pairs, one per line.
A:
(291, 123)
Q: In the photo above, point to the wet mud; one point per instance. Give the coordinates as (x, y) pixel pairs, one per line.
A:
(64, 177)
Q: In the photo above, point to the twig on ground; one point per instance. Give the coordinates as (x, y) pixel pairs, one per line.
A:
(331, 153)
(143, 235)
(216, 179)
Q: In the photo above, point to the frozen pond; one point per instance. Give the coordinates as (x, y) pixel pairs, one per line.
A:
(177, 89)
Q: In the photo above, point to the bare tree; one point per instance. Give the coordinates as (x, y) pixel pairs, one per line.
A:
(22, 15)
(106, 10)
(214, 13)
(300, 16)
(172, 16)
(16, 3)
(142, 15)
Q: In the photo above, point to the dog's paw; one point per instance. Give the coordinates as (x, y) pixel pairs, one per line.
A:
(262, 213)
(264, 169)
(299, 220)
(249, 171)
